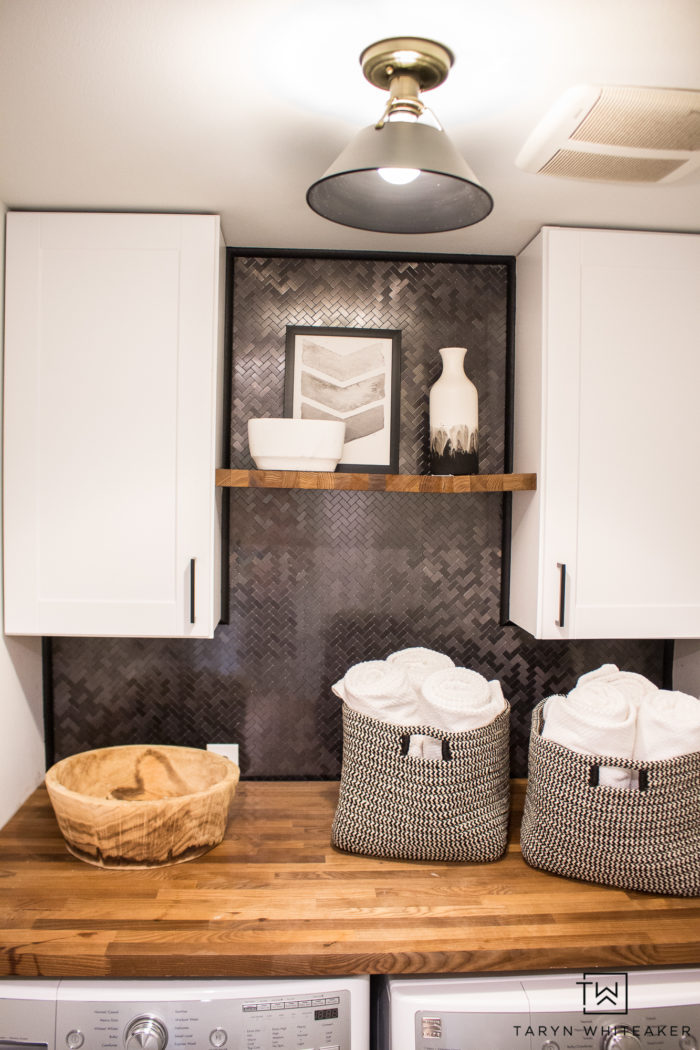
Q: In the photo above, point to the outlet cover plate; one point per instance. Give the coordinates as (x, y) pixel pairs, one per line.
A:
(228, 750)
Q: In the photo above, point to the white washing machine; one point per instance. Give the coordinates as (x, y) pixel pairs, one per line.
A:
(611, 1010)
(315, 1013)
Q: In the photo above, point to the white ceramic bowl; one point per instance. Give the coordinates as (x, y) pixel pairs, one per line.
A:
(296, 444)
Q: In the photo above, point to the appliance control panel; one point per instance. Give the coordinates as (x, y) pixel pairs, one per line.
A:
(664, 1028)
(281, 1022)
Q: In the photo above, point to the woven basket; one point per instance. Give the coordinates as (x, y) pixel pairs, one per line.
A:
(394, 805)
(646, 839)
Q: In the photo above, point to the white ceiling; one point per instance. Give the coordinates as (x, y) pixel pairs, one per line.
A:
(236, 106)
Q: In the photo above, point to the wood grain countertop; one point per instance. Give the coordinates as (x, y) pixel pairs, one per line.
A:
(276, 899)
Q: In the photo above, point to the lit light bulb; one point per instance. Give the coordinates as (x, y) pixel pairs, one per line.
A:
(399, 176)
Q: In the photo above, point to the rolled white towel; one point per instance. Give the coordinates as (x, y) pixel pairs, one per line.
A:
(596, 718)
(456, 699)
(632, 685)
(418, 663)
(668, 725)
(380, 690)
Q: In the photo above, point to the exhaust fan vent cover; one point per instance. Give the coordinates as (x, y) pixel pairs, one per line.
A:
(617, 134)
(610, 168)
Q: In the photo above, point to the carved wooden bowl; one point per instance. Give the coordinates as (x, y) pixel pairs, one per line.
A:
(142, 805)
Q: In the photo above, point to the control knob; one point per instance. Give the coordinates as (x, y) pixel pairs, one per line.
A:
(148, 1033)
(620, 1038)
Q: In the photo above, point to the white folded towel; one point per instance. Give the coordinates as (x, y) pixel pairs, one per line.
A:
(418, 663)
(456, 699)
(633, 686)
(668, 725)
(381, 690)
(596, 718)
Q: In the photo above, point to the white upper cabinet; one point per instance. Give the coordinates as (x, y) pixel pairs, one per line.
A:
(113, 367)
(607, 387)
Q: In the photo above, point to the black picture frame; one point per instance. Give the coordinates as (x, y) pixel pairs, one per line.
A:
(320, 361)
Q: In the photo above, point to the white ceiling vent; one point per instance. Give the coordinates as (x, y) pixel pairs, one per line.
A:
(617, 134)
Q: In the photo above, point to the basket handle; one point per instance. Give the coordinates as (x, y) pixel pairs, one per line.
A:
(594, 776)
(406, 743)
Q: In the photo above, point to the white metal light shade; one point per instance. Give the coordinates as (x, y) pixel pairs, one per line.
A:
(446, 195)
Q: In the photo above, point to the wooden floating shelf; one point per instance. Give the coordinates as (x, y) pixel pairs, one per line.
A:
(311, 479)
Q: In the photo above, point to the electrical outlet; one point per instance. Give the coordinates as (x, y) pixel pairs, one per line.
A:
(228, 750)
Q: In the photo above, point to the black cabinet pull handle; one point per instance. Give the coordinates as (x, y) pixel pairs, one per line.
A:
(562, 594)
(192, 561)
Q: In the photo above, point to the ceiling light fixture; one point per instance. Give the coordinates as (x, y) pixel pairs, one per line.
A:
(402, 174)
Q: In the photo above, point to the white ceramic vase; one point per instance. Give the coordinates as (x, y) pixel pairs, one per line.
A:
(454, 417)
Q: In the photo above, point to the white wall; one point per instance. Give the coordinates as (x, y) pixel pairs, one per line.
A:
(21, 719)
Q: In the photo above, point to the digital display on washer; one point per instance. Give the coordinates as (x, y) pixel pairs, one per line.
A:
(326, 1015)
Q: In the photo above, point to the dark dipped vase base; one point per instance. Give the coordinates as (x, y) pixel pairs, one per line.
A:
(450, 462)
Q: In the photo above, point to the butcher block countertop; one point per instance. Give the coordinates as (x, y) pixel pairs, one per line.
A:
(276, 899)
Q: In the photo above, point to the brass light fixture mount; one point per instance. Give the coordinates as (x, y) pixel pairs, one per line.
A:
(402, 175)
(404, 66)
(425, 60)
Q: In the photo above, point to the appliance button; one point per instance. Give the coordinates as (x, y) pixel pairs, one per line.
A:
(218, 1037)
(75, 1039)
(688, 1042)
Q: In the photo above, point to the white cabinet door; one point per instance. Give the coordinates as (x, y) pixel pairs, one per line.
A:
(113, 359)
(606, 411)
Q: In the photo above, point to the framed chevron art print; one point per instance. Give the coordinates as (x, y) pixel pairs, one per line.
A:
(349, 374)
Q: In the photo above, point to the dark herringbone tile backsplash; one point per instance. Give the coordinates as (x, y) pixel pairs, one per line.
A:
(319, 581)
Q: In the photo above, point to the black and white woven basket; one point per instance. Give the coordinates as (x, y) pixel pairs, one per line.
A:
(394, 805)
(646, 839)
